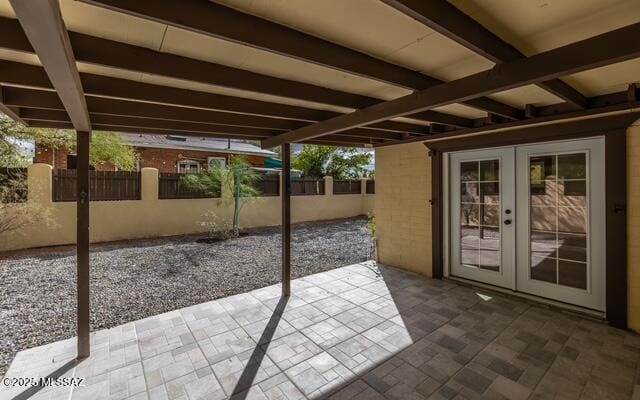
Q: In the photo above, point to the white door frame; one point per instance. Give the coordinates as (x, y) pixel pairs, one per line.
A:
(597, 216)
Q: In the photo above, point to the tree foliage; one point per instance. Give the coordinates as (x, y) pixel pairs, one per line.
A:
(15, 212)
(237, 179)
(106, 147)
(11, 133)
(338, 162)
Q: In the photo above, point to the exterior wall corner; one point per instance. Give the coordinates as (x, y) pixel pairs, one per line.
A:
(402, 209)
(633, 225)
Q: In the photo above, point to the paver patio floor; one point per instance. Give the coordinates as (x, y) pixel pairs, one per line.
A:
(361, 331)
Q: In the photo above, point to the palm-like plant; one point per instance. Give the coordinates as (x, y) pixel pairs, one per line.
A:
(237, 178)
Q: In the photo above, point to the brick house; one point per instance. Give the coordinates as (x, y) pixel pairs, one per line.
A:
(167, 153)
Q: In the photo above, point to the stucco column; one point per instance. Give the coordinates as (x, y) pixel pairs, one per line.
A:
(328, 185)
(363, 185)
(149, 184)
(40, 183)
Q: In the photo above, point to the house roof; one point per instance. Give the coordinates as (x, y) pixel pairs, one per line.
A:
(263, 69)
(194, 143)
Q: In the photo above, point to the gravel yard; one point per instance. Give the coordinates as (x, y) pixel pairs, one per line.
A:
(137, 279)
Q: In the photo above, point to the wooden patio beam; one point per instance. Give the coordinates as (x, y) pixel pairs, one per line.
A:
(286, 219)
(597, 51)
(98, 51)
(142, 127)
(13, 73)
(449, 21)
(43, 105)
(43, 25)
(177, 126)
(114, 128)
(215, 20)
(588, 114)
(352, 135)
(11, 112)
(83, 141)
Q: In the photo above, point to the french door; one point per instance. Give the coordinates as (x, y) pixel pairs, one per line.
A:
(482, 228)
(531, 218)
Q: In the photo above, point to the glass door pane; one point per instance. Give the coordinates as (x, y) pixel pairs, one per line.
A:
(480, 214)
(558, 199)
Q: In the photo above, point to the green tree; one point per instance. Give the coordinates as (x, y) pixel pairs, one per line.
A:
(313, 160)
(238, 178)
(338, 162)
(11, 134)
(106, 147)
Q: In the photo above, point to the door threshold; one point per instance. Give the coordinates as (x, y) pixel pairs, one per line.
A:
(536, 300)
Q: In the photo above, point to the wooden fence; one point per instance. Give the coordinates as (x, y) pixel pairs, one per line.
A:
(15, 182)
(268, 185)
(307, 187)
(103, 185)
(170, 186)
(371, 187)
(123, 185)
(347, 187)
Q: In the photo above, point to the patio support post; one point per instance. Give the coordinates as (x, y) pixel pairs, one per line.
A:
(286, 219)
(83, 140)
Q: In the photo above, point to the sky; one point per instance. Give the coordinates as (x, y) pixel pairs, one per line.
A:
(25, 146)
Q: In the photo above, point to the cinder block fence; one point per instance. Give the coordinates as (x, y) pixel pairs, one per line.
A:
(155, 215)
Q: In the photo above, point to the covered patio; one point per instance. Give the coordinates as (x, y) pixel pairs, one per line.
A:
(364, 331)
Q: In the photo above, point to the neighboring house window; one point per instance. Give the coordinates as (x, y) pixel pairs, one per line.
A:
(188, 167)
(72, 162)
(220, 161)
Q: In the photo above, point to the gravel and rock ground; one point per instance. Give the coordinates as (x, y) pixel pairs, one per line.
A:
(136, 279)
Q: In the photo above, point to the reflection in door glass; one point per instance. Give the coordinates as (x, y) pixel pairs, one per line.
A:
(480, 214)
(558, 219)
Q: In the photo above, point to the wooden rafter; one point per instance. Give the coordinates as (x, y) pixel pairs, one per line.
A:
(11, 112)
(114, 54)
(551, 119)
(29, 99)
(205, 17)
(43, 25)
(12, 73)
(129, 120)
(446, 19)
(601, 50)
(330, 140)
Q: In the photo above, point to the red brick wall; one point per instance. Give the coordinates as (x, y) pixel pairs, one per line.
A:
(55, 158)
(58, 159)
(165, 160)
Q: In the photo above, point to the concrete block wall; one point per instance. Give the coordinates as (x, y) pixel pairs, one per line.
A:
(153, 217)
(402, 209)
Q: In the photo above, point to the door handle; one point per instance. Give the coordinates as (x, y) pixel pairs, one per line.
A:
(507, 222)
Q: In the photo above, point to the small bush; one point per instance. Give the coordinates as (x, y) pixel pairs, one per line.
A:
(216, 227)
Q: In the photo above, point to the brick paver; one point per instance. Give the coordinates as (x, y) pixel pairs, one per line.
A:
(357, 332)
